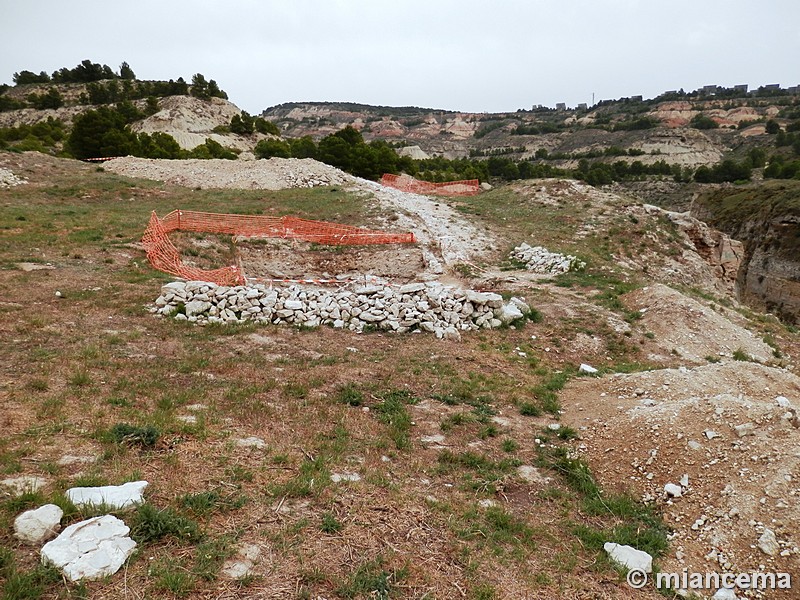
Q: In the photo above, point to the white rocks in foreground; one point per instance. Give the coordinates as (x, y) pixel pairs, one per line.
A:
(541, 260)
(38, 525)
(91, 549)
(112, 496)
(629, 557)
(768, 543)
(431, 307)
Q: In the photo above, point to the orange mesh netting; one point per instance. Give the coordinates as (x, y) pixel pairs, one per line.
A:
(164, 256)
(467, 187)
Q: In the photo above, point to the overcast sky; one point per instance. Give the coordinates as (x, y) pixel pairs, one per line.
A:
(455, 54)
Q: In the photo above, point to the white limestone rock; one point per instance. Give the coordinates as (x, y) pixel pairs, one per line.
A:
(339, 477)
(293, 305)
(38, 525)
(251, 442)
(91, 549)
(197, 307)
(114, 496)
(242, 564)
(22, 485)
(768, 543)
(629, 557)
(508, 313)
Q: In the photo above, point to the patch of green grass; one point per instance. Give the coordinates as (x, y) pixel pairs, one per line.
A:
(372, 580)
(80, 378)
(149, 524)
(311, 478)
(134, 435)
(495, 528)
(28, 585)
(210, 555)
(38, 385)
(740, 354)
(566, 433)
(632, 522)
(510, 445)
(392, 411)
(203, 504)
(172, 576)
(546, 391)
(349, 394)
(483, 473)
(295, 389)
(529, 409)
(330, 524)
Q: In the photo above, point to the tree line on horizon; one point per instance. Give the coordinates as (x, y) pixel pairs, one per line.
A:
(104, 86)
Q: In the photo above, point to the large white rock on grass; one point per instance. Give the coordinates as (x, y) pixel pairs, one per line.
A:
(629, 557)
(91, 549)
(112, 496)
(38, 525)
(508, 313)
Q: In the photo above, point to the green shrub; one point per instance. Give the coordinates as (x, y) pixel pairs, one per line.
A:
(124, 433)
(150, 524)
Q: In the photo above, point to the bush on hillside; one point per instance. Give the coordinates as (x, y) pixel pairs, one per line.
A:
(272, 148)
(50, 99)
(726, 171)
(701, 121)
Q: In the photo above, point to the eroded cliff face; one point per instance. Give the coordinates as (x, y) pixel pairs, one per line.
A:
(766, 218)
(771, 275)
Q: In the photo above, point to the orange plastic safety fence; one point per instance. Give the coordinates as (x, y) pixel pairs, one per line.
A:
(164, 256)
(466, 187)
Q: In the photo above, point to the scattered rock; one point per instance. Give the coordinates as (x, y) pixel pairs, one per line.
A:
(768, 543)
(584, 368)
(38, 525)
(22, 485)
(69, 459)
(673, 491)
(91, 549)
(112, 496)
(338, 477)
(629, 557)
(242, 564)
(432, 439)
(541, 260)
(251, 442)
(29, 266)
(725, 594)
(530, 474)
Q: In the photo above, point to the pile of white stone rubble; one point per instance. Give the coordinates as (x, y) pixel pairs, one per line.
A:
(541, 260)
(433, 307)
(8, 179)
(91, 549)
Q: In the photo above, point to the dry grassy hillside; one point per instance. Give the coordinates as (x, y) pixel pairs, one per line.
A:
(332, 464)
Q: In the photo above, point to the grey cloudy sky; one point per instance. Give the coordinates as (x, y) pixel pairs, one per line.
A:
(463, 55)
